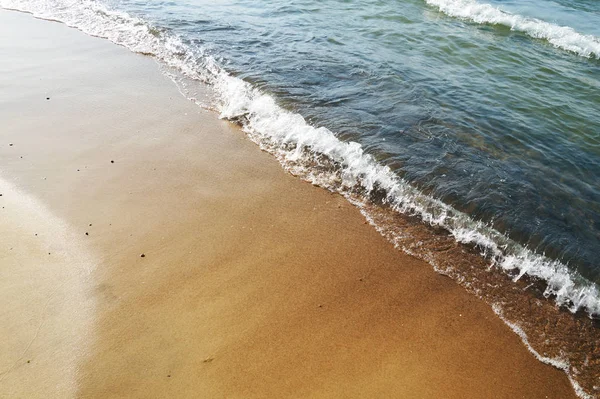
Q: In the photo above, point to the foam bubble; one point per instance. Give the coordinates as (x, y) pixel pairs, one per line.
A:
(563, 37)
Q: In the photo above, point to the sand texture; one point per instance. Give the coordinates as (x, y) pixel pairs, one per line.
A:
(253, 284)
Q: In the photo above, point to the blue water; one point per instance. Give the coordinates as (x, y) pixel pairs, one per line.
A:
(481, 118)
(500, 125)
(492, 108)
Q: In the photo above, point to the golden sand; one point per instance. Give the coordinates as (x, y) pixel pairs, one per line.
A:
(253, 284)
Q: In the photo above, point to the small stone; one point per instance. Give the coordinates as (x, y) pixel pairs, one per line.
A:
(87, 234)
(29, 361)
(169, 375)
(112, 161)
(142, 255)
(78, 170)
(0, 195)
(47, 98)
(10, 144)
(90, 225)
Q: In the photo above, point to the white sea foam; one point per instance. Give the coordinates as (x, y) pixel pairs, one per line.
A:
(298, 145)
(563, 37)
(559, 363)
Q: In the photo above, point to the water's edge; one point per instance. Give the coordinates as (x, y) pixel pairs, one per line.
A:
(514, 281)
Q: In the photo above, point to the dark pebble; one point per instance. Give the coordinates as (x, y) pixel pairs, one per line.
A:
(47, 98)
(112, 161)
(142, 255)
(86, 233)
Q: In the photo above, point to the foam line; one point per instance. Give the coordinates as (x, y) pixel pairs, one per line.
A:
(562, 37)
(300, 146)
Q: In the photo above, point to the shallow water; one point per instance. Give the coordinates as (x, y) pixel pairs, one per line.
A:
(482, 118)
(494, 122)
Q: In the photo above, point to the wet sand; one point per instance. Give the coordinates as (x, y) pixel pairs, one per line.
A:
(253, 283)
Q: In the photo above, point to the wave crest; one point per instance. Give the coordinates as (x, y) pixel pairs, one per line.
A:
(562, 37)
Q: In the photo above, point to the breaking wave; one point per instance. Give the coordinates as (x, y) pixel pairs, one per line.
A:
(562, 37)
(316, 154)
(298, 145)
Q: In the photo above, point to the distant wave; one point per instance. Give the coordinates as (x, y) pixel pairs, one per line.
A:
(563, 37)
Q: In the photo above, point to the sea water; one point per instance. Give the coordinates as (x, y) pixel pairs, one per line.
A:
(478, 119)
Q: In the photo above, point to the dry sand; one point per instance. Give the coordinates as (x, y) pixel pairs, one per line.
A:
(254, 284)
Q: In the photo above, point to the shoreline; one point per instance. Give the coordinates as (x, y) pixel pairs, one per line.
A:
(253, 282)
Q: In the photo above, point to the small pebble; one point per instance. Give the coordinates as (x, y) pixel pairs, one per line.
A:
(112, 161)
(90, 225)
(10, 144)
(86, 233)
(142, 255)
(47, 98)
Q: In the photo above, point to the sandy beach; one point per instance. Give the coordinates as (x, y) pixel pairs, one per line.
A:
(149, 249)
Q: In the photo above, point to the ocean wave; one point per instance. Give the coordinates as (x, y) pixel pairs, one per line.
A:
(317, 155)
(562, 37)
(299, 145)
(302, 148)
